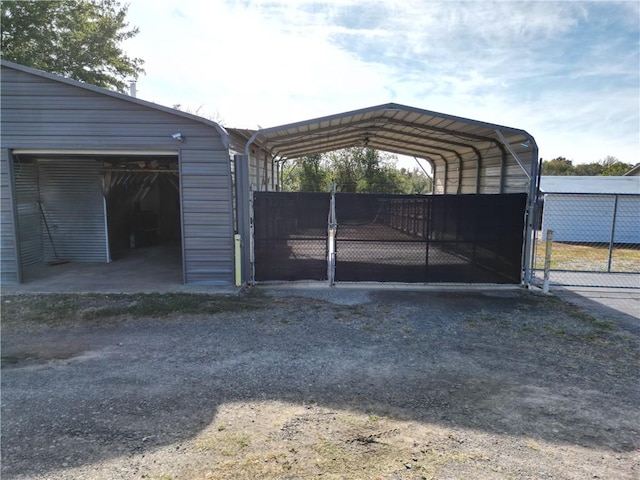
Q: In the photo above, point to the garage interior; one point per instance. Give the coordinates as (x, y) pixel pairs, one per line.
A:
(112, 220)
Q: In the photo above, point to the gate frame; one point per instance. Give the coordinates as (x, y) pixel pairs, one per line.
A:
(246, 227)
(244, 212)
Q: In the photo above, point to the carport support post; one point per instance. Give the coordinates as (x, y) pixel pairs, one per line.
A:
(243, 213)
(613, 233)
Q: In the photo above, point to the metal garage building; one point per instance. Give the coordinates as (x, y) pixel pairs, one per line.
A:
(592, 209)
(90, 173)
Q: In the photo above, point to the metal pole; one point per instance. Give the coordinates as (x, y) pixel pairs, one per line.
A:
(238, 259)
(547, 260)
(243, 209)
(613, 232)
(331, 238)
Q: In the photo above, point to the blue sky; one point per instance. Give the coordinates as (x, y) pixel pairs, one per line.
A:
(567, 72)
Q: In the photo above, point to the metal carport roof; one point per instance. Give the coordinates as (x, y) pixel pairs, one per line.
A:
(468, 156)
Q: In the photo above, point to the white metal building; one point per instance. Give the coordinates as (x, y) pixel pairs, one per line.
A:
(583, 209)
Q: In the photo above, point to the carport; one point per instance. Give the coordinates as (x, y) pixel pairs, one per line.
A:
(470, 159)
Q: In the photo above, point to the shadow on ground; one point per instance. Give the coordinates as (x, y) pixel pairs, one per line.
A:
(506, 362)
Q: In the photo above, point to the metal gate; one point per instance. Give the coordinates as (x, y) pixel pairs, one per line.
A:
(290, 235)
(444, 238)
(389, 238)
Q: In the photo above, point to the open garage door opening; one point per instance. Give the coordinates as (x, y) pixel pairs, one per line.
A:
(143, 209)
(107, 220)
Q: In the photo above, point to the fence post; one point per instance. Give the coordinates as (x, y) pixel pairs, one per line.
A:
(613, 232)
(331, 238)
(547, 259)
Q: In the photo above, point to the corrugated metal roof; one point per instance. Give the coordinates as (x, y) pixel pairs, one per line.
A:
(391, 127)
(104, 91)
(467, 154)
(634, 171)
(584, 184)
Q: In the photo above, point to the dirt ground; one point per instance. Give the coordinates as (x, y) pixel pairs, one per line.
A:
(286, 384)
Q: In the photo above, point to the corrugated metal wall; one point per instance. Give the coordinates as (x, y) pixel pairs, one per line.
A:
(206, 217)
(588, 218)
(9, 272)
(71, 196)
(47, 113)
(29, 232)
(498, 171)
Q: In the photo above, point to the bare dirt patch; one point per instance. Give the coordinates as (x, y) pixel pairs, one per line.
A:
(321, 384)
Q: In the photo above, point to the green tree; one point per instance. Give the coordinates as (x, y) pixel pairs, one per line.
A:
(364, 170)
(312, 175)
(557, 166)
(588, 169)
(306, 174)
(354, 170)
(416, 182)
(74, 38)
(612, 166)
(345, 168)
(607, 166)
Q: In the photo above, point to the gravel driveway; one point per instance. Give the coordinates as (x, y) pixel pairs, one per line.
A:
(314, 384)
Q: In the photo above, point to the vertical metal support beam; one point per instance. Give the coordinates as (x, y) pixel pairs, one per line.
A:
(613, 233)
(446, 177)
(478, 174)
(460, 167)
(433, 180)
(512, 152)
(257, 155)
(243, 209)
(273, 174)
(503, 164)
(529, 241)
(547, 260)
(265, 181)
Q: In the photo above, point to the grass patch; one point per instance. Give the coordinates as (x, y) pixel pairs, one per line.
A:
(553, 318)
(52, 309)
(573, 323)
(571, 256)
(228, 444)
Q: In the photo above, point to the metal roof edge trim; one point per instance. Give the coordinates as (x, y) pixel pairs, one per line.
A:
(118, 95)
(397, 107)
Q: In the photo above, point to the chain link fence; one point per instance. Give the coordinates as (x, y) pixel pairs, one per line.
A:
(596, 240)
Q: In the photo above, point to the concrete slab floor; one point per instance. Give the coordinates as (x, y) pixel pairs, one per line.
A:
(143, 270)
(616, 301)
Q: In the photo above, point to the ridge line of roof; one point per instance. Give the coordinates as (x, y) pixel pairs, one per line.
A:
(398, 107)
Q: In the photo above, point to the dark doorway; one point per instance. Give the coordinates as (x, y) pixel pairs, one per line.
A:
(143, 206)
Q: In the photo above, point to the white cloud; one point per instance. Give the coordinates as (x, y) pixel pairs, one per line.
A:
(561, 70)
